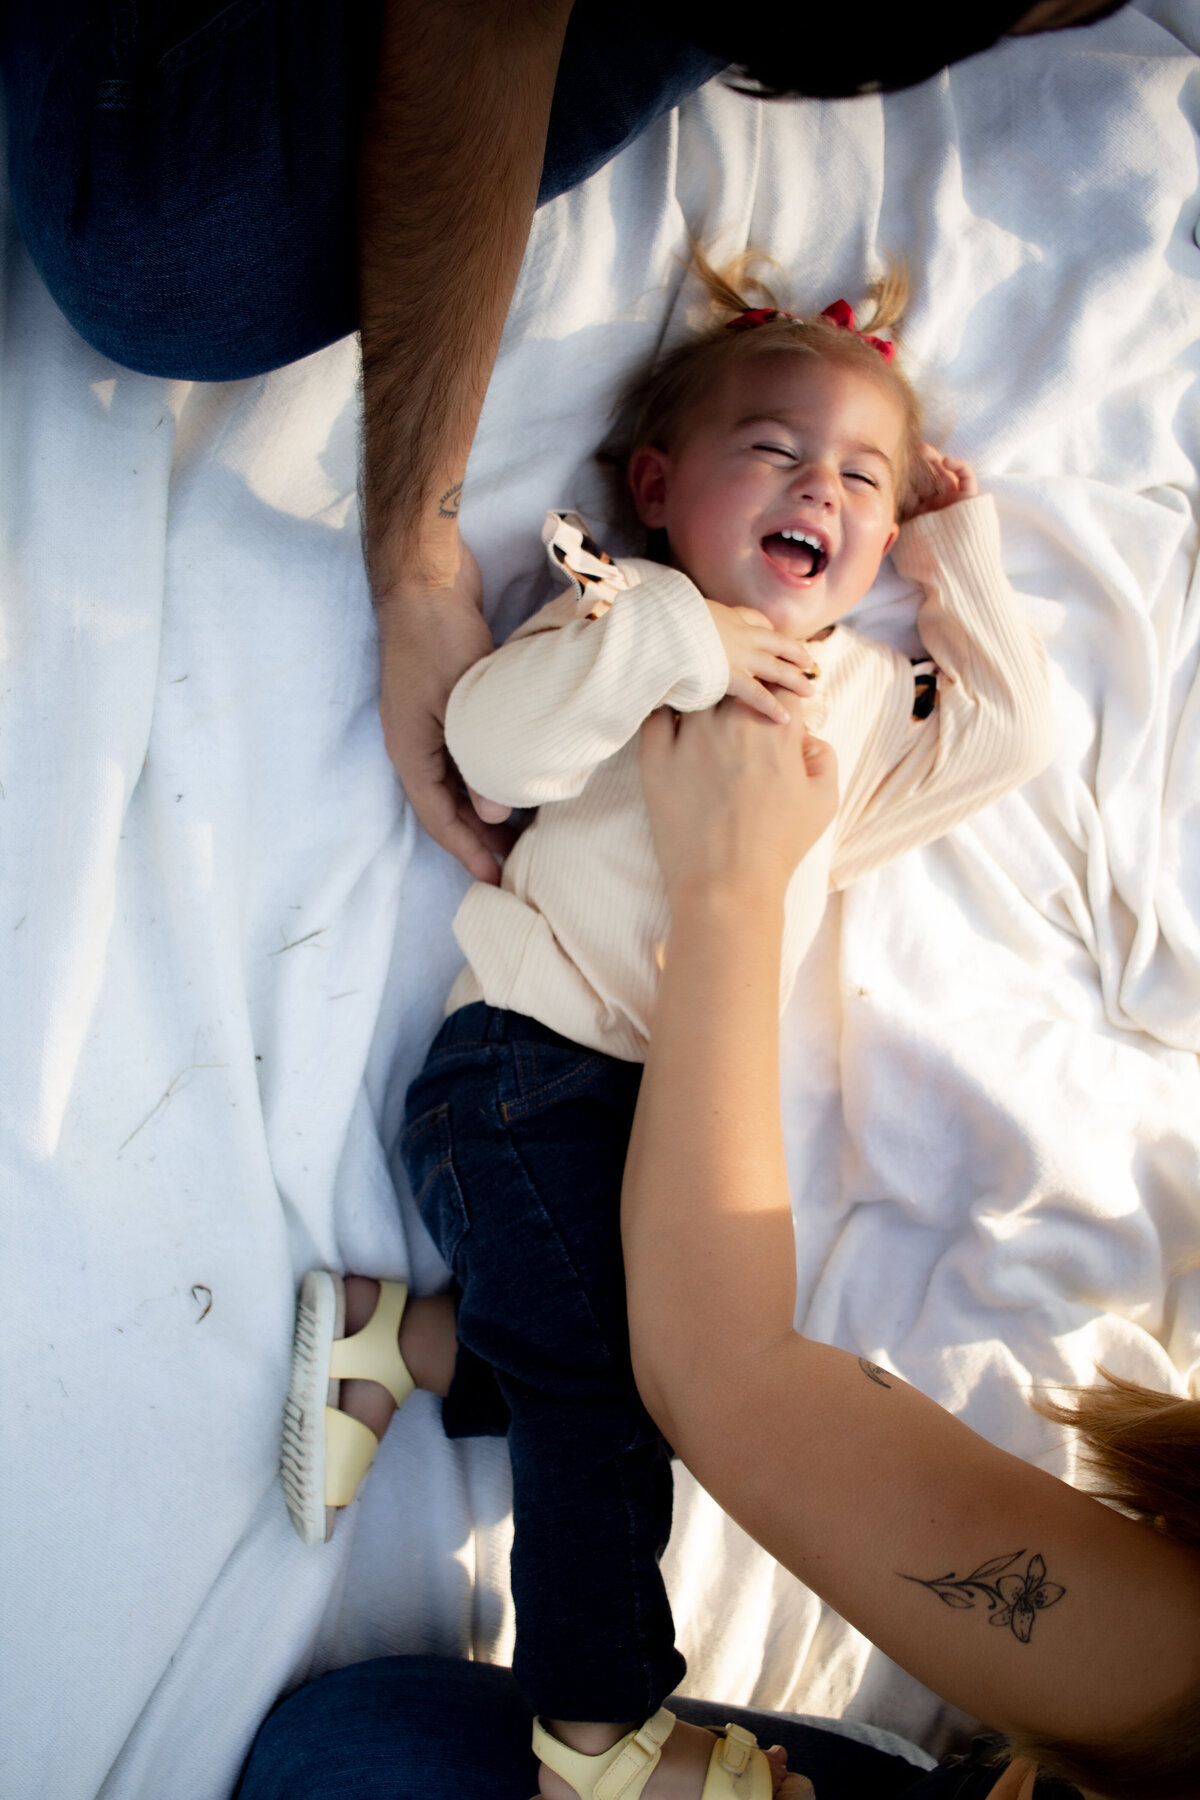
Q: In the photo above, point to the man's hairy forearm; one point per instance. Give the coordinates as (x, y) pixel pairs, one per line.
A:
(450, 169)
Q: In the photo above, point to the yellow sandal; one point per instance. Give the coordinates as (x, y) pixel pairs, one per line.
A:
(326, 1453)
(737, 1768)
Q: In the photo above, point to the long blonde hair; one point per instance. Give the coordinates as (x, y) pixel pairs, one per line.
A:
(1142, 1451)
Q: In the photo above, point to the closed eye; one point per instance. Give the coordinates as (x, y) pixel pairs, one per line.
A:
(861, 475)
(777, 450)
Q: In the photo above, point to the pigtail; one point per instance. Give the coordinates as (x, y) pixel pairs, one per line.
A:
(737, 286)
(734, 287)
(889, 295)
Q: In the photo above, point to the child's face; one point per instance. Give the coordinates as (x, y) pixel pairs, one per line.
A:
(781, 491)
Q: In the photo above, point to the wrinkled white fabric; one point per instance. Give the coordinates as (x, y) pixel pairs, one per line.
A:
(224, 947)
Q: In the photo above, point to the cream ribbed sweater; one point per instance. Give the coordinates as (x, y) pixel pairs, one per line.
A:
(573, 935)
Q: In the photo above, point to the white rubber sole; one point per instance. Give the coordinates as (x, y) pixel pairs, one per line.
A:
(320, 1318)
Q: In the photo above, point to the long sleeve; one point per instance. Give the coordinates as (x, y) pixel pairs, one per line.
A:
(529, 723)
(990, 728)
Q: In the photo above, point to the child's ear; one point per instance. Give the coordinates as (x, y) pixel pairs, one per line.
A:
(893, 534)
(649, 471)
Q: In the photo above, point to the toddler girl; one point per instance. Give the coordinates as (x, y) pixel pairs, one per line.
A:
(776, 460)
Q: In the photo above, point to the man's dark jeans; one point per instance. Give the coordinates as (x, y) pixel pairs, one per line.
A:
(515, 1145)
(430, 1728)
(183, 171)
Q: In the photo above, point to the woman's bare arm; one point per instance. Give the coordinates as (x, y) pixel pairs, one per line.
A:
(1007, 1592)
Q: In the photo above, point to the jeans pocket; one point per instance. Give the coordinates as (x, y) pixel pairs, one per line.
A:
(545, 1074)
(428, 1152)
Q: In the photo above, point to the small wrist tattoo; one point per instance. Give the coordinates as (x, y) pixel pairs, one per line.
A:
(1012, 1600)
(448, 504)
(873, 1372)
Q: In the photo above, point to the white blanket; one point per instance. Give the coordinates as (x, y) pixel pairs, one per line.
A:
(224, 946)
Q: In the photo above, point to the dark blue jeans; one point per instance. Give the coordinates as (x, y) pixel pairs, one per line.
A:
(515, 1146)
(183, 171)
(430, 1728)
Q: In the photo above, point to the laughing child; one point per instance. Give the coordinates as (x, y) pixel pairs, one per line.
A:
(776, 460)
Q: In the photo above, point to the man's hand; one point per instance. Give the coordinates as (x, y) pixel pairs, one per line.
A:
(448, 180)
(757, 654)
(941, 480)
(427, 638)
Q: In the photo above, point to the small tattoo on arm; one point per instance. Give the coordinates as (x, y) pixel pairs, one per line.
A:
(448, 504)
(873, 1372)
(1012, 1600)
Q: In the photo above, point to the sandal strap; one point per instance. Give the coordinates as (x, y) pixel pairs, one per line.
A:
(737, 1768)
(617, 1774)
(350, 1448)
(737, 1746)
(373, 1354)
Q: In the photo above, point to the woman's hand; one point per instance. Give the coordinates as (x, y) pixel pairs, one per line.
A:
(734, 801)
(941, 481)
(759, 658)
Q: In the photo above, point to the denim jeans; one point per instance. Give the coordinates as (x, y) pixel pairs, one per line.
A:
(183, 171)
(515, 1146)
(431, 1728)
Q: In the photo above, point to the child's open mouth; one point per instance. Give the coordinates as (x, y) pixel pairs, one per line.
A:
(796, 551)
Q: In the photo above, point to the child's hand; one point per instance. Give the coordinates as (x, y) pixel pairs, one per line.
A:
(758, 653)
(941, 480)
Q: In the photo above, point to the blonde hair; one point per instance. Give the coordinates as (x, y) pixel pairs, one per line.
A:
(1143, 1450)
(656, 407)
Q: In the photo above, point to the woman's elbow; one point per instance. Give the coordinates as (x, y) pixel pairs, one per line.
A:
(657, 1383)
(695, 1401)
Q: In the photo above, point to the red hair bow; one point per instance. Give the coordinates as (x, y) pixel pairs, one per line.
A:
(841, 313)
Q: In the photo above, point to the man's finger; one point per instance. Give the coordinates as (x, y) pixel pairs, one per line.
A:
(498, 839)
(476, 859)
(458, 837)
(492, 812)
(457, 829)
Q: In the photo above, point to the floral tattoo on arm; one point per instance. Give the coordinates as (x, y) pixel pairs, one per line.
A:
(1012, 1599)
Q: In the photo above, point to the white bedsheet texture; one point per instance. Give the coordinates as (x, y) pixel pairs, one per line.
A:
(224, 946)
